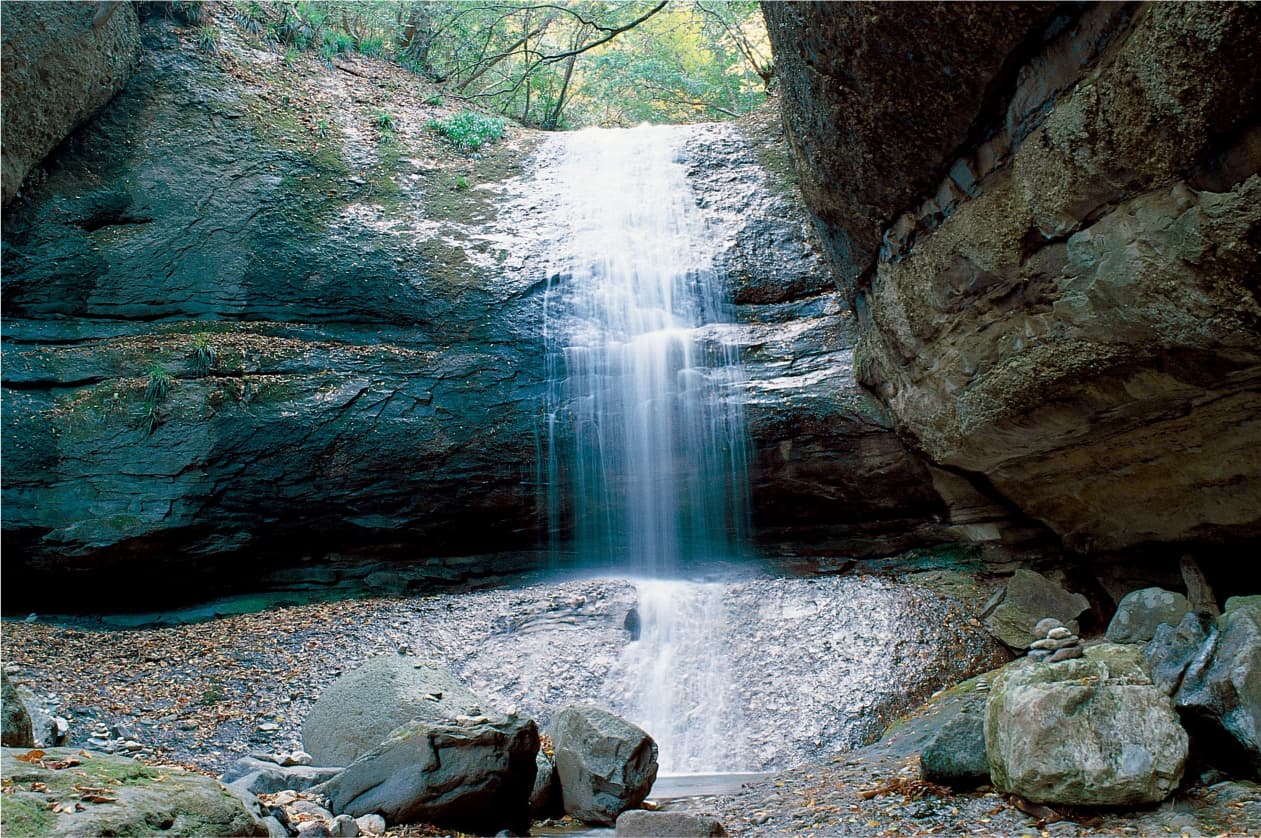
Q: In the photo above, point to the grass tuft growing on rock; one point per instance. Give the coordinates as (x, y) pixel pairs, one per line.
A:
(469, 131)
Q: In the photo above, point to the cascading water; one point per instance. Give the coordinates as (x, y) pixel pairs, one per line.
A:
(646, 440)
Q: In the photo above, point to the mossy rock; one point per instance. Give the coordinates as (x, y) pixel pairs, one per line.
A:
(135, 799)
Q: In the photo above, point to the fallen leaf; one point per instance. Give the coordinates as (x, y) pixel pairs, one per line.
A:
(98, 798)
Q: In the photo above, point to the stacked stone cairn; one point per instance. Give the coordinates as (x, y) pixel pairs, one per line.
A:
(1057, 643)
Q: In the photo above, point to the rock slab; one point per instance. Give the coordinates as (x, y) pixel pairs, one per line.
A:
(1093, 731)
(606, 764)
(473, 776)
(1140, 613)
(639, 823)
(1030, 598)
(363, 707)
(136, 799)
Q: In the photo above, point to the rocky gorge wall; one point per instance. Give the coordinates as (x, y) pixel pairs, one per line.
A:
(246, 326)
(1046, 220)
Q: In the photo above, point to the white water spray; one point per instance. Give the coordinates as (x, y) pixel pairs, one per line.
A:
(646, 440)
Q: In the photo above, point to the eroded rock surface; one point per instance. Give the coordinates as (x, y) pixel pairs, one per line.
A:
(1058, 292)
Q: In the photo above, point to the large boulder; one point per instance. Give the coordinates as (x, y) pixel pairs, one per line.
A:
(1028, 598)
(1220, 694)
(1091, 731)
(364, 706)
(1140, 613)
(606, 764)
(18, 731)
(129, 798)
(474, 774)
(62, 61)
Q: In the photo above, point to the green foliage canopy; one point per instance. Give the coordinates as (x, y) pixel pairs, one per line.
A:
(552, 65)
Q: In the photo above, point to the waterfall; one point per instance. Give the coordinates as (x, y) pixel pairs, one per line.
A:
(646, 442)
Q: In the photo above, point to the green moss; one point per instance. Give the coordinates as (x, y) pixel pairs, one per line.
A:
(116, 771)
(23, 815)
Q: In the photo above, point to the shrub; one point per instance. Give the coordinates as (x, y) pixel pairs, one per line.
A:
(156, 388)
(461, 183)
(469, 131)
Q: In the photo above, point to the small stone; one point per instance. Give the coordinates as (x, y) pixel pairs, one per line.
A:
(269, 727)
(1067, 653)
(1044, 626)
(284, 798)
(371, 824)
(1039, 654)
(1059, 633)
(344, 826)
(314, 829)
(1054, 645)
(295, 758)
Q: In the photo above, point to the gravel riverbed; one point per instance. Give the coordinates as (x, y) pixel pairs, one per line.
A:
(814, 668)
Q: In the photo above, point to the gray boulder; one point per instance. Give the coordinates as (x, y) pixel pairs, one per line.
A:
(361, 708)
(1172, 649)
(475, 776)
(1093, 731)
(140, 799)
(606, 764)
(1140, 613)
(1220, 696)
(258, 776)
(642, 824)
(1028, 599)
(545, 798)
(18, 731)
(955, 755)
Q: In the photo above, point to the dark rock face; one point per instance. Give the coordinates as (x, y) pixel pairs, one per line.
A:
(1064, 296)
(353, 347)
(62, 61)
(1220, 695)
